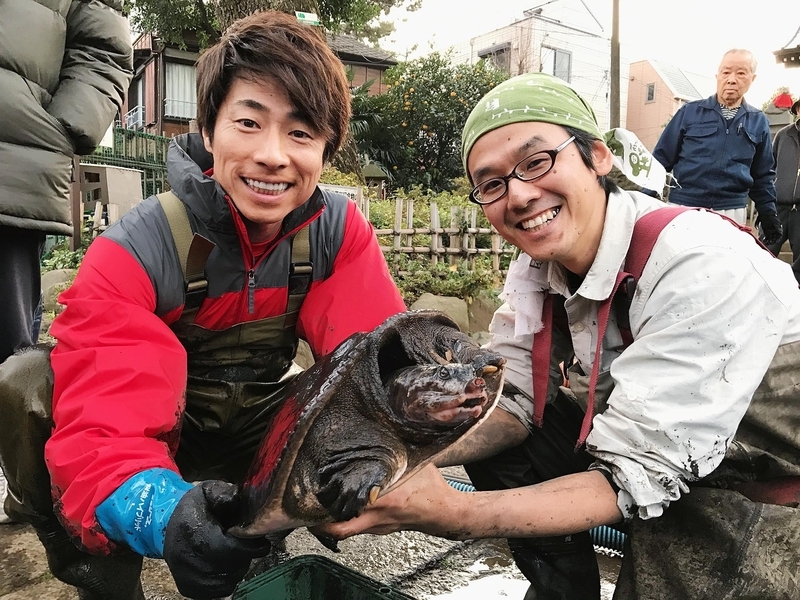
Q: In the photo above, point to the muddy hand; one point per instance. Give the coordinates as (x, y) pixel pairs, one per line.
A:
(417, 504)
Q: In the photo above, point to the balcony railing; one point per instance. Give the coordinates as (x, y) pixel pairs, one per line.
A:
(134, 118)
(179, 109)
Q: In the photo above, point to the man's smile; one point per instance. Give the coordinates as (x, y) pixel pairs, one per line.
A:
(540, 220)
(263, 187)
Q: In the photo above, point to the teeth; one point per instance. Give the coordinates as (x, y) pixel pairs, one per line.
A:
(541, 220)
(266, 187)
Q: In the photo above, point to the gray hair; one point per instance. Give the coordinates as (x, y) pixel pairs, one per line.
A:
(753, 61)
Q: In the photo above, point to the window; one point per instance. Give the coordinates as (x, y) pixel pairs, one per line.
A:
(134, 118)
(557, 62)
(498, 55)
(651, 92)
(180, 97)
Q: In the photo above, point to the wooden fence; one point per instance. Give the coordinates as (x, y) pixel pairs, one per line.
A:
(453, 245)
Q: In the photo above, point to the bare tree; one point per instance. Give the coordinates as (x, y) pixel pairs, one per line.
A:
(524, 50)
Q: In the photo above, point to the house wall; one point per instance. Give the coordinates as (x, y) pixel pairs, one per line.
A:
(150, 103)
(363, 73)
(648, 119)
(172, 129)
(532, 41)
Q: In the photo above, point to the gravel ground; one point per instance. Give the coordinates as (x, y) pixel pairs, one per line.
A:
(418, 565)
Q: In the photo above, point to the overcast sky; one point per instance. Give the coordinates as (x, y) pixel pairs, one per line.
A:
(690, 34)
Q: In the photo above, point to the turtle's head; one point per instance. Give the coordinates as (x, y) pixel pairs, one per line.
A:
(445, 394)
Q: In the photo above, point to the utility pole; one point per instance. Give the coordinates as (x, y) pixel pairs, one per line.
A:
(615, 77)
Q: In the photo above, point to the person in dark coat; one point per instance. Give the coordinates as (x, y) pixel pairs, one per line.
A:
(718, 150)
(786, 150)
(62, 87)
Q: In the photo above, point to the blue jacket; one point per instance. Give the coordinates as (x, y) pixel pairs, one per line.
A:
(717, 163)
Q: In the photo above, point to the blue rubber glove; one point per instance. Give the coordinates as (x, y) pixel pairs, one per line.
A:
(137, 513)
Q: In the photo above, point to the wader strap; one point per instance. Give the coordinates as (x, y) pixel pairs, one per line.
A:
(300, 273)
(603, 312)
(645, 235)
(193, 252)
(540, 360)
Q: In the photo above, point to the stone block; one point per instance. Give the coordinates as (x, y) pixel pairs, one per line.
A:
(455, 308)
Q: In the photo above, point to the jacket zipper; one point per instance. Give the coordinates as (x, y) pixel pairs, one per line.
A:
(251, 291)
(247, 253)
(794, 191)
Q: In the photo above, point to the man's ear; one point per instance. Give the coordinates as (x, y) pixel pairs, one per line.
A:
(602, 158)
(206, 140)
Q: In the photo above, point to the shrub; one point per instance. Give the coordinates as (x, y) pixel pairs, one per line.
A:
(61, 257)
(417, 277)
(332, 176)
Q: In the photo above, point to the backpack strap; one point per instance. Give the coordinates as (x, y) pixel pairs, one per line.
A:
(193, 251)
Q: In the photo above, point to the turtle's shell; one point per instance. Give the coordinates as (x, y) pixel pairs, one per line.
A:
(364, 418)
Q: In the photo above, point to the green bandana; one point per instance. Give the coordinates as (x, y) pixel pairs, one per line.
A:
(528, 97)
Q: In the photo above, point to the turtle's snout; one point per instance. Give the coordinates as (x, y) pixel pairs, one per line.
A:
(487, 364)
(476, 386)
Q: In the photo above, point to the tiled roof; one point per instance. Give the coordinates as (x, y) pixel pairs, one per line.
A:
(348, 47)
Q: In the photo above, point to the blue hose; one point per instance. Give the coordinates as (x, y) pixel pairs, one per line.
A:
(602, 537)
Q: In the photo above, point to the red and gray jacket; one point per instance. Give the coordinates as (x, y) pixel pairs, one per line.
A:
(120, 365)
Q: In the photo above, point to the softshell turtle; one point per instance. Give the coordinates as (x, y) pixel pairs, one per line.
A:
(365, 418)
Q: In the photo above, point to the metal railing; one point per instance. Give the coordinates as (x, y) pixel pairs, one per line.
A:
(134, 118)
(179, 109)
(136, 150)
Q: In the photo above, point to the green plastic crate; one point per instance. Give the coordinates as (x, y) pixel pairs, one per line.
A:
(313, 577)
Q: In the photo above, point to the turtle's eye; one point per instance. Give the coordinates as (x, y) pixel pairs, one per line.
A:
(444, 373)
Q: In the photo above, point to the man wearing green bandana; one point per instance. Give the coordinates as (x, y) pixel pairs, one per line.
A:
(672, 413)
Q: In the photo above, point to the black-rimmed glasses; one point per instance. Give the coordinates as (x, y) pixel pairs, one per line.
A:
(529, 168)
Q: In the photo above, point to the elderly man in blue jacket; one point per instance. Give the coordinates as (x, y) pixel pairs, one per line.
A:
(719, 150)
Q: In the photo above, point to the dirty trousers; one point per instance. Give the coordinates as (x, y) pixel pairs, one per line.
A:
(26, 383)
(713, 544)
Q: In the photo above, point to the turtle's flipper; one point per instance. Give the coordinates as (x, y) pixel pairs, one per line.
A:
(351, 482)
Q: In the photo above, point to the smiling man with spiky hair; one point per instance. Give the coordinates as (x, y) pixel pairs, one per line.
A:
(179, 333)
